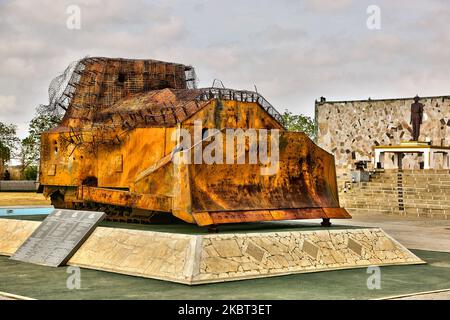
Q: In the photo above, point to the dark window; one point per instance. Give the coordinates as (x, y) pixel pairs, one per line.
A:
(204, 133)
(121, 77)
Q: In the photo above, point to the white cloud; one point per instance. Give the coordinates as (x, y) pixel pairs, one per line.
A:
(293, 51)
(7, 105)
(328, 5)
(276, 34)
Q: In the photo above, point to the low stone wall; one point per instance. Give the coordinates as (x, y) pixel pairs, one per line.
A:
(254, 255)
(197, 259)
(17, 185)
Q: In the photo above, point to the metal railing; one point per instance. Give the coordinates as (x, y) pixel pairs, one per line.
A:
(239, 95)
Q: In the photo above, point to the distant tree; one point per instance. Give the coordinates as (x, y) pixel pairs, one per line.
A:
(8, 137)
(28, 154)
(30, 173)
(30, 146)
(42, 122)
(5, 156)
(8, 143)
(300, 123)
(26, 151)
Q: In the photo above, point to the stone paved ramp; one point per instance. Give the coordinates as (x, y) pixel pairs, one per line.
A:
(10, 296)
(434, 295)
(428, 296)
(46, 283)
(413, 233)
(196, 259)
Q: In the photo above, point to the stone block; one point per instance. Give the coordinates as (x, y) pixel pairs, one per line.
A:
(226, 248)
(196, 259)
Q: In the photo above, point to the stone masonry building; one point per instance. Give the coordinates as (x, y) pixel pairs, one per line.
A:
(350, 129)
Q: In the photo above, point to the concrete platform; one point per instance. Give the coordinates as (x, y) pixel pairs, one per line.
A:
(18, 185)
(206, 258)
(397, 282)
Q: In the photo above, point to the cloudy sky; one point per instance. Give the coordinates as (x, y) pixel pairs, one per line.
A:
(294, 51)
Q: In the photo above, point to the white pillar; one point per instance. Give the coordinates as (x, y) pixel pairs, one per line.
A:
(446, 161)
(396, 156)
(432, 165)
(381, 159)
(426, 158)
(376, 158)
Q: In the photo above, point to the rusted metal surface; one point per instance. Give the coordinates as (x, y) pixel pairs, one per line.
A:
(126, 199)
(305, 179)
(115, 147)
(220, 217)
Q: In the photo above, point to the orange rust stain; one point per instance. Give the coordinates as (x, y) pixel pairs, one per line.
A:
(99, 152)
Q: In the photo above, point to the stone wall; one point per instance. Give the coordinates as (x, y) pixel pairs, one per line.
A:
(17, 185)
(349, 129)
(207, 258)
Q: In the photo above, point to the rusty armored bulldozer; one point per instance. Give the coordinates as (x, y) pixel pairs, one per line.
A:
(117, 149)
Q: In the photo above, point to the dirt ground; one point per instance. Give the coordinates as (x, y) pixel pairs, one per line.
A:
(22, 199)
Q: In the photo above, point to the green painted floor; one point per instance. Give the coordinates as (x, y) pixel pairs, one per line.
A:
(50, 283)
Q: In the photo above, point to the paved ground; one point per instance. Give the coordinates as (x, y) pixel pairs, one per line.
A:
(22, 199)
(431, 237)
(51, 283)
(423, 234)
(427, 296)
(414, 233)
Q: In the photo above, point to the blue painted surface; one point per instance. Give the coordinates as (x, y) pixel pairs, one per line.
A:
(24, 211)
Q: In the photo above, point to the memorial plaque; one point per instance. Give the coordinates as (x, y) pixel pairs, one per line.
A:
(58, 237)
